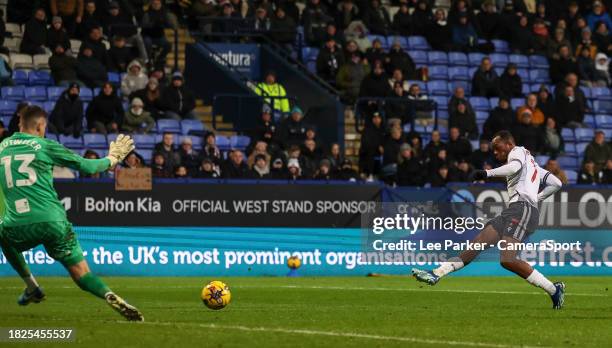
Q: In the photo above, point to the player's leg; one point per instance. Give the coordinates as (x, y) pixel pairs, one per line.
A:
(487, 236)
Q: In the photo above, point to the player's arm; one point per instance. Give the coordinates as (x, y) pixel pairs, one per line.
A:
(507, 169)
(550, 182)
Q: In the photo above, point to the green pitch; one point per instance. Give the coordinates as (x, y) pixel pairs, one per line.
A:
(316, 312)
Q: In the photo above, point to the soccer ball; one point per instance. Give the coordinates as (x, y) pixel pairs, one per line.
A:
(294, 262)
(216, 295)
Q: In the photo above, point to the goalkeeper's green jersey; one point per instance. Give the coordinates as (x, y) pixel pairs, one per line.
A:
(26, 178)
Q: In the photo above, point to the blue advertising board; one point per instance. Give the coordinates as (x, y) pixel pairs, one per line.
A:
(243, 57)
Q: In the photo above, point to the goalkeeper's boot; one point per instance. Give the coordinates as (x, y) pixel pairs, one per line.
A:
(36, 296)
(425, 276)
(559, 297)
(128, 311)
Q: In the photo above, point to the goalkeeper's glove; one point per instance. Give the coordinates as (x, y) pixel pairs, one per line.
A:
(480, 175)
(119, 149)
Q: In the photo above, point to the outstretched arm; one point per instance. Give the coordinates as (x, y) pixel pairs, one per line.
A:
(551, 184)
(506, 170)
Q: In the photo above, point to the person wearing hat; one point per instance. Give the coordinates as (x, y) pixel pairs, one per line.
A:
(347, 173)
(324, 171)
(409, 168)
(105, 112)
(510, 82)
(35, 34)
(295, 171)
(526, 133)
(397, 58)
(63, 67)
(71, 12)
(206, 170)
(150, 96)
(136, 119)
(599, 15)
(293, 128)
(271, 88)
(190, 158)
(465, 37)
(278, 170)
(67, 115)
(57, 35)
(177, 101)
(602, 74)
(586, 41)
(89, 69)
(260, 168)
(329, 60)
(134, 80)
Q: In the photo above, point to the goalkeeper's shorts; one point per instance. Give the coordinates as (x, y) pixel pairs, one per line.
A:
(57, 237)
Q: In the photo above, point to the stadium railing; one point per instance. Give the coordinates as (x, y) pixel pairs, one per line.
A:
(365, 106)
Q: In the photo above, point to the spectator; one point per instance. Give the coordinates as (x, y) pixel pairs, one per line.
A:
(602, 74)
(464, 121)
(67, 115)
(485, 82)
(177, 101)
(521, 40)
(95, 41)
(461, 172)
(35, 34)
(293, 128)
(602, 38)
(159, 169)
(500, 118)
(399, 59)
(134, 80)
(375, 84)
(311, 155)
(546, 102)
(150, 96)
(206, 170)
(283, 28)
(531, 104)
(391, 147)
(270, 87)
(278, 170)
(260, 168)
(190, 158)
(586, 43)
(56, 35)
(295, 172)
(348, 12)
(589, 175)
(465, 37)
(440, 177)
(347, 173)
(211, 150)
(397, 77)
(421, 17)
(120, 55)
(89, 69)
(71, 12)
(376, 52)
(118, 23)
(525, 133)
(607, 173)
(351, 76)
(569, 112)
(136, 119)
(335, 157)
(556, 42)
(440, 159)
(540, 37)
(329, 60)
(315, 19)
(483, 156)
(63, 67)
(166, 149)
(409, 168)
(458, 147)
(489, 21)
(402, 21)
(598, 15)
(459, 97)
(91, 154)
(400, 110)
(371, 147)
(433, 147)
(552, 142)
(553, 167)
(439, 32)
(19, 11)
(154, 21)
(91, 19)
(377, 19)
(266, 129)
(324, 171)
(105, 112)
(262, 22)
(511, 84)
(458, 9)
(598, 151)
(260, 148)
(565, 64)
(180, 172)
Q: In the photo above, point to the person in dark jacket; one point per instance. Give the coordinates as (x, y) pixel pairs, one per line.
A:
(235, 167)
(465, 37)
(546, 102)
(346, 172)
(283, 28)
(375, 84)
(177, 101)
(91, 18)
(154, 21)
(89, 69)
(458, 146)
(500, 118)
(521, 41)
(402, 21)
(376, 52)
(206, 170)
(409, 168)
(63, 67)
(433, 147)
(159, 169)
(67, 115)
(150, 95)
(526, 134)
(485, 82)
(397, 58)
(589, 175)
(190, 158)
(463, 120)
(399, 111)
(377, 19)
(562, 66)
(510, 83)
(118, 22)
(372, 141)
(35, 34)
(95, 41)
(440, 177)
(569, 112)
(315, 18)
(421, 17)
(483, 156)
(392, 145)
(329, 60)
(346, 14)
(57, 35)
(293, 129)
(489, 21)
(105, 112)
(120, 55)
(439, 32)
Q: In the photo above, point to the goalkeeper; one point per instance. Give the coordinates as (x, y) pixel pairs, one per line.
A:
(34, 215)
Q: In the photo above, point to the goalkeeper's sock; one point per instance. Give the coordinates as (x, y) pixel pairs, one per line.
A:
(91, 283)
(537, 279)
(31, 283)
(453, 264)
(16, 260)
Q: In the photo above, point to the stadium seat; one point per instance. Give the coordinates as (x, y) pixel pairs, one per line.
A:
(441, 102)
(583, 134)
(13, 93)
(36, 93)
(600, 106)
(603, 121)
(114, 78)
(239, 142)
(53, 93)
(589, 120)
(144, 141)
(499, 60)
(403, 41)
(538, 62)
(437, 87)
(41, 61)
(520, 60)
(480, 103)
(438, 72)
(192, 127)
(14, 29)
(71, 142)
(481, 115)
(21, 61)
(86, 94)
(94, 140)
(501, 46)
(20, 77)
(526, 89)
(75, 45)
(418, 43)
(457, 58)
(608, 134)
(567, 134)
(517, 102)
(601, 93)
(568, 162)
(458, 73)
(437, 57)
(539, 76)
(147, 155)
(7, 107)
(419, 57)
(223, 142)
(581, 147)
(541, 160)
(168, 125)
(493, 102)
(475, 58)
(570, 149)
(48, 106)
(51, 136)
(572, 176)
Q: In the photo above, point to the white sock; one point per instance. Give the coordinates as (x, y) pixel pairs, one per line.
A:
(453, 264)
(537, 279)
(30, 283)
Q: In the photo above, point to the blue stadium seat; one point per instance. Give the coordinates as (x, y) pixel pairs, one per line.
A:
(305, 53)
(94, 140)
(442, 102)
(501, 46)
(603, 121)
(481, 115)
(567, 162)
(437, 57)
(144, 141)
(520, 60)
(48, 106)
(403, 41)
(442, 114)
(240, 141)
(223, 142)
(583, 134)
(192, 127)
(589, 120)
(418, 43)
(311, 66)
(53, 93)
(602, 93)
(480, 103)
(493, 102)
(471, 72)
(600, 106)
(581, 147)
(458, 73)
(36, 93)
(587, 92)
(457, 58)
(499, 60)
(539, 76)
(86, 94)
(71, 142)
(20, 77)
(147, 155)
(40, 78)
(51, 136)
(475, 58)
(538, 62)
(572, 176)
(608, 134)
(6, 120)
(168, 125)
(422, 85)
(114, 78)
(7, 107)
(541, 160)
(524, 74)
(438, 72)
(419, 57)
(567, 134)
(517, 102)
(526, 88)
(437, 87)
(570, 149)
(13, 93)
